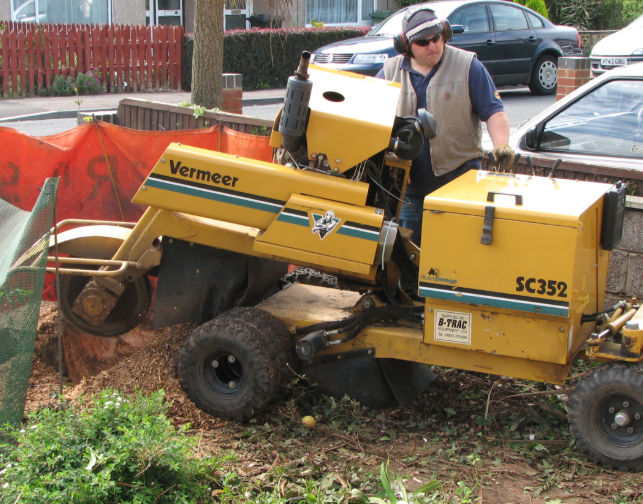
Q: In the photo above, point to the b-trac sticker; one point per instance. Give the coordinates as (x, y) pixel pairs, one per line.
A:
(204, 175)
(452, 327)
(541, 286)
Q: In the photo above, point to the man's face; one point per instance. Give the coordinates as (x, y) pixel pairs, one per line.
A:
(430, 54)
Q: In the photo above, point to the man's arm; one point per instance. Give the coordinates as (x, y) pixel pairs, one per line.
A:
(498, 128)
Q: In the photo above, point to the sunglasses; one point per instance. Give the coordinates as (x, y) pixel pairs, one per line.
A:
(426, 42)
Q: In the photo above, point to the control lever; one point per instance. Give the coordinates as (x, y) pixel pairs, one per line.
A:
(531, 166)
(554, 168)
(515, 163)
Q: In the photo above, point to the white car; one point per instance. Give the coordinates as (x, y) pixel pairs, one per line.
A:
(598, 125)
(619, 49)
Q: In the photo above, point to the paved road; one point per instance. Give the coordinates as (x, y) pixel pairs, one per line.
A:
(520, 105)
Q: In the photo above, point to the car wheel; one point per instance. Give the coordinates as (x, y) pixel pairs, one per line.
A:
(544, 77)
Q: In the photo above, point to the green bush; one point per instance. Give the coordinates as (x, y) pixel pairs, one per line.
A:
(267, 57)
(537, 6)
(119, 449)
(88, 83)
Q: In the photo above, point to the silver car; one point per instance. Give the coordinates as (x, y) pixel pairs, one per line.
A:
(599, 124)
(619, 49)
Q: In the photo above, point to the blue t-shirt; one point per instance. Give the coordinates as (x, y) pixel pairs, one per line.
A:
(484, 100)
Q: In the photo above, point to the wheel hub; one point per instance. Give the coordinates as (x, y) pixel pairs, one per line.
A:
(223, 373)
(97, 300)
(620, 421)
(548, 74)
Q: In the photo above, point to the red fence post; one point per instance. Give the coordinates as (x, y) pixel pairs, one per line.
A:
(48, 53)
(6, 64)
(179, 69)
(31, 54)
(156, 33)
(127, 58)
(111, 59)
(39, 63)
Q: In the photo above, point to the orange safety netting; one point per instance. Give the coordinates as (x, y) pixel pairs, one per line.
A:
(77, 157)
(85, 190)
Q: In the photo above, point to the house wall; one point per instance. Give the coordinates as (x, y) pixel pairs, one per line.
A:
(5, 10)
(188, 15)
(130, 12)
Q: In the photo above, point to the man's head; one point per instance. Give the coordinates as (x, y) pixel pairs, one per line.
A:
(425, 35)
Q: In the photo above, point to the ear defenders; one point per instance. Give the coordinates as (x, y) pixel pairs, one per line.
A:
(402, 45)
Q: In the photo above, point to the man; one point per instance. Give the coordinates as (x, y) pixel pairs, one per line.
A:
(457, 89)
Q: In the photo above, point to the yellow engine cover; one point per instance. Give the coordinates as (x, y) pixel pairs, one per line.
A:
(523, 294)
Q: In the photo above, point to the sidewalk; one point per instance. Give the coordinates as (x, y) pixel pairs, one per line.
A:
(61, 107)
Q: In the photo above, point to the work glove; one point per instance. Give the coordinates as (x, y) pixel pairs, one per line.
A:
(504, 156)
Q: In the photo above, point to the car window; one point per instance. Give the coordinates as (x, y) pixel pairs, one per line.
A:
(535, 21)
(608, 121)
(508, 18)
(392, 25)
(474, 19)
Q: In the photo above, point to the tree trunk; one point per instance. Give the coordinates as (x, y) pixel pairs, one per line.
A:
(207, 59)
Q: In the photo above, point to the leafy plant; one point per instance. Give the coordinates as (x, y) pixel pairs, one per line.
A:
(119, 449)
(82, 84)
(88, 83)
(406, 497)
(316, 24)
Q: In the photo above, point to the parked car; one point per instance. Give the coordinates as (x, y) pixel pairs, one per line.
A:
(600, 124)
(517, 45)
(619, 49)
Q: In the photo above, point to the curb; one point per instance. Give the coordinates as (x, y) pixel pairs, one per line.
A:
(70, 114)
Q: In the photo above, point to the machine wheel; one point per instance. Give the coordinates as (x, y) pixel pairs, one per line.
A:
(274, 335)
(544, 77)
(606, 416)
(126, 315)
(227, 370)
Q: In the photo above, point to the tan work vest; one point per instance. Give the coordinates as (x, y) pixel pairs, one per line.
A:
(459, 133)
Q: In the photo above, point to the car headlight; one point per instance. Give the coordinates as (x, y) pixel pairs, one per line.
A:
(638, 51)
(370, 58)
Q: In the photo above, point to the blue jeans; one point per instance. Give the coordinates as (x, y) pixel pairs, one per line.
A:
(411, 212)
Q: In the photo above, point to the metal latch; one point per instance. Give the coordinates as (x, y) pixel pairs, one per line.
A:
(487, 227)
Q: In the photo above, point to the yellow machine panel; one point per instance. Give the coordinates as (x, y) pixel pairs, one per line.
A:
(327, 228)
(342, 106)
(235, 189)
(523, 293)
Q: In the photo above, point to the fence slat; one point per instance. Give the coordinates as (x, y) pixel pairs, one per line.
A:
(179, 52)
(31, 57)
(40, 65)
(119, 59)
(156, 32)
(102, 40)
(148, 55)
(87, 49)
(164, 56)
(171, 57)
(6, 66)
(71, 42)
(127, 33)
(15, 66)
(47, 50)
(111, 59)
(140, 32)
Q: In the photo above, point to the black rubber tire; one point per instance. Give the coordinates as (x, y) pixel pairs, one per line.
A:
(130, 310)
(309, 276)
(254, 369)
(275, 336)
(544, 76)
(605, 388)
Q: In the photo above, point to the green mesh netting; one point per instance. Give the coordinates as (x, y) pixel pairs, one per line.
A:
(24, 243)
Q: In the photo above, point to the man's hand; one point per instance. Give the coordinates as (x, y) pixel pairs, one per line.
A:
(504, 152)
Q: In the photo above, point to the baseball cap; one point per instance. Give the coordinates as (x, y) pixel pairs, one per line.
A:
(423, 24)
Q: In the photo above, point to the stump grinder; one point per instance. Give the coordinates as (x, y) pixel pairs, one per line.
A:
(509, 280)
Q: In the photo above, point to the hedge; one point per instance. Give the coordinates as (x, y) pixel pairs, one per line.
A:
(267, 57)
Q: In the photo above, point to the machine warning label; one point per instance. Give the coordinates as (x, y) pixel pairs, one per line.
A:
(452, 327)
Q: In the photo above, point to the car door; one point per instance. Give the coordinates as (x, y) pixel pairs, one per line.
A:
(478, 34)
(516, 44)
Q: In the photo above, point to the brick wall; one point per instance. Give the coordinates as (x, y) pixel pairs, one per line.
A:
(572, 74)
(232, 94)
(625, 277)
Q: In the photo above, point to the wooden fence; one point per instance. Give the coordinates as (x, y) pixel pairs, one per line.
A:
(131, 58)
(153, 116)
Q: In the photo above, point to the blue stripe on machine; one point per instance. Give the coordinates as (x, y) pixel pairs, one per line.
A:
(496, 300)
(214, 195)
(292, 218)
(358, 233)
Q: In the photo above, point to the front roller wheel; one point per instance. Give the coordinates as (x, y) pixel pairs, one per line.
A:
(606, 416)
(227, 370)
(129, 311)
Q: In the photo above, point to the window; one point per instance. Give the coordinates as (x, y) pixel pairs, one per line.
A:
(535, 21)
(508, 18)
(608, 121)
(474, 19)
(61, 11)
(339, 11)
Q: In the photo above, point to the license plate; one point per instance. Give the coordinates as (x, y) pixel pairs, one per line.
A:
(613, 61)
